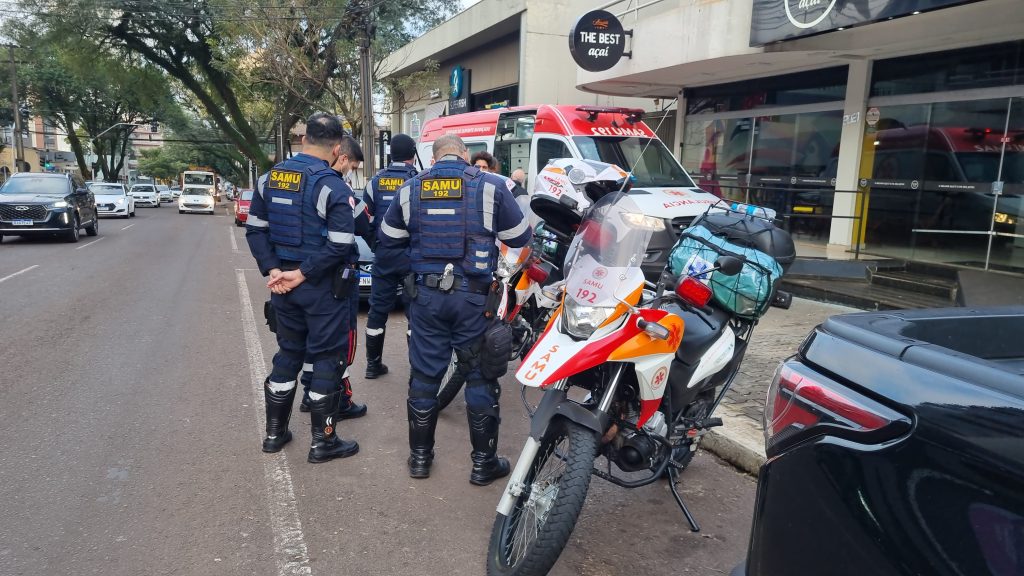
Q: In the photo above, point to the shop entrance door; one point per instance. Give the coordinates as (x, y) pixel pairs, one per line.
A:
(945, 182)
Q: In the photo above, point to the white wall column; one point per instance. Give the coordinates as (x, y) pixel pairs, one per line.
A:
(677, 146)
(858, 88)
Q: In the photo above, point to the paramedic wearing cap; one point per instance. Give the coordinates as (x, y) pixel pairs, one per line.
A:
(348, 408)
(390, 265)
(301, 233)
(450, 217)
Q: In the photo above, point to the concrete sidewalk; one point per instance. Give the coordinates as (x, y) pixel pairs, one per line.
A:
(778, 335)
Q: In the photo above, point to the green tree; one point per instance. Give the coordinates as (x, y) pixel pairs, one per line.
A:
(248, 66)
(92, 92)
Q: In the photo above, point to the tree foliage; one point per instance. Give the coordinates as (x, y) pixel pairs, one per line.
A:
(243, 67)
(88, 92)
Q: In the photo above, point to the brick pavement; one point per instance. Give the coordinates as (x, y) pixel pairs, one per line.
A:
(776, 337)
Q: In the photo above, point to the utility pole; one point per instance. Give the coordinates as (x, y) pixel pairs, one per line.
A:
(19, 146)
(279, 141)
(366, 88)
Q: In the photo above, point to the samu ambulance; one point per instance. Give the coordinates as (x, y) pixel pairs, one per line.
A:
(527, 137)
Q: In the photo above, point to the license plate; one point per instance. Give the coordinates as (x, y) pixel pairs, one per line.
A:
(22, 222)
(365, 280)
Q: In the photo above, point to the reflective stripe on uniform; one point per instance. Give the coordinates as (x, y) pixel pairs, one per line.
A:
(260, 183)
(341, 237)
(359, 208)
(279, 200)
(403, 199)
(393, 232)
(321, 201)
(514, 231)
(256, 222)
(307, 367)
(488, 206)
(440, 210)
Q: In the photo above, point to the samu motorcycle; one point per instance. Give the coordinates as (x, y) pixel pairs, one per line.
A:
(650, 365)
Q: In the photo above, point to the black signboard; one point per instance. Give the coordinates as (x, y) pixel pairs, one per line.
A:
(597, 41)
(775, 20)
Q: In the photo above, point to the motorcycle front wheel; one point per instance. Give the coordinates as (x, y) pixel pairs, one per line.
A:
(529, 540)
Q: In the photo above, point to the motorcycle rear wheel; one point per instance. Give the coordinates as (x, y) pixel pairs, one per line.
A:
(531, 538)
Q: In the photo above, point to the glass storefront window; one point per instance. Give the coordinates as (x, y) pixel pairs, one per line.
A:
(828, 85)
(932, 172)
(995, 65)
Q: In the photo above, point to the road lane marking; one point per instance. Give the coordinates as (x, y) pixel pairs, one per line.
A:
(91, 243)
(290, 550)
(9, 276)
(128, 226)
(234, 241)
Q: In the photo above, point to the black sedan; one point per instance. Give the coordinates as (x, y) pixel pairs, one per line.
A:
(34, 204)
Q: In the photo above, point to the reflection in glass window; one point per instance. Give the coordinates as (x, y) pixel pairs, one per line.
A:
(828, 85)
(995, 65)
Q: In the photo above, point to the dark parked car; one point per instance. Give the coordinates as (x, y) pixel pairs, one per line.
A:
(33, 204)
(895, 446)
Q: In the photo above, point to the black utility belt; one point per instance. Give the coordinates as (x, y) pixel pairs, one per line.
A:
(460, 284)
(288, 265)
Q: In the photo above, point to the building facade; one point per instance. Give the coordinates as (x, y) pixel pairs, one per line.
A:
(497, 53)
(892, 126)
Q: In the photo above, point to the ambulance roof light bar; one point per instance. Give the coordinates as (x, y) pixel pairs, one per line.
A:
(633, 115)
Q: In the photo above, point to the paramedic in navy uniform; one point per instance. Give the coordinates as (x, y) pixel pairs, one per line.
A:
(301, 233)
(450, 217)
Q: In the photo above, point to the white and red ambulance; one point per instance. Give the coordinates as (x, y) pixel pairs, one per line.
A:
(527, 137)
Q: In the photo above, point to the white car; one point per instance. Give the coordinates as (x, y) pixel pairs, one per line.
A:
(112, 200)
(165, 193)
(145, 194)
(196, 200)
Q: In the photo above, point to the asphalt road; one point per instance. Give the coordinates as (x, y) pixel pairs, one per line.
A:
(131, 416)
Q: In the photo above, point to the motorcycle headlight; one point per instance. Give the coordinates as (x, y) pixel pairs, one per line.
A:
(507, 268)
(581, 321)
(59, 204)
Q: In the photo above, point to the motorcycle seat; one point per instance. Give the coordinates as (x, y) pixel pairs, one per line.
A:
(698, 336)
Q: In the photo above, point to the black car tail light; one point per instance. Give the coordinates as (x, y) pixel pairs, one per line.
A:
(803, 403)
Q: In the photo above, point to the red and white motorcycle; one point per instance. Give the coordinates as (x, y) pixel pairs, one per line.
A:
(627, 373)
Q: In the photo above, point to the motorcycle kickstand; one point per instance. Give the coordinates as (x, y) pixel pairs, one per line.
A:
(673, 477)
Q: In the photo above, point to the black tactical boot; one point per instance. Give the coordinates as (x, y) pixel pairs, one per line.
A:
(326, 444)
(279, 411)
(349, 409)
(375, 368)
(483, 435)
(304, 404)
(422, 424)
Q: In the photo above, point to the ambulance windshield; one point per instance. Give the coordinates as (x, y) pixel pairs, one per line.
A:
(657, 167)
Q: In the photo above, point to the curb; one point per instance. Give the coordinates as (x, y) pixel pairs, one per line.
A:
(738, 442)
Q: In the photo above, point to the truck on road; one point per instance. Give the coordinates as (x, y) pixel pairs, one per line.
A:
(894, 444)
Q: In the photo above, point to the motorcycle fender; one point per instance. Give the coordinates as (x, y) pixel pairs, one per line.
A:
(553, 349)
(556, 405)
(716, 358)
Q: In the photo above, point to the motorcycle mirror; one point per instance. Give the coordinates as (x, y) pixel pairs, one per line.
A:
(568, 202)
(729, 265)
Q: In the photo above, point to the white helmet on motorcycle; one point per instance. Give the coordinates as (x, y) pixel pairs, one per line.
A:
(567, 187)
